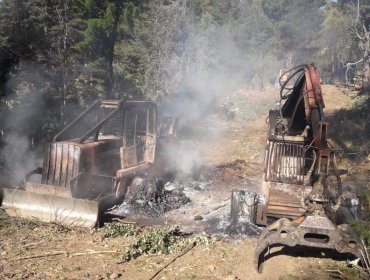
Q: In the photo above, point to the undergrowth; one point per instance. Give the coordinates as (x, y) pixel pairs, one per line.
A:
(9, 225)
(157, 240)
(248, 110)
(351, 127)
(362, 229)
(115, 230)
(365, 199)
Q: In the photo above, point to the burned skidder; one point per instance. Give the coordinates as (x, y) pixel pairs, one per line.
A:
(301, 183)
(90, 164)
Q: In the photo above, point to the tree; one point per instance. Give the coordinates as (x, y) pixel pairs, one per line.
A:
(361, 30)
(335, 42)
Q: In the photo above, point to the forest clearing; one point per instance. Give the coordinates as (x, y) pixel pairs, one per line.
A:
(35, 250)
(177, 139)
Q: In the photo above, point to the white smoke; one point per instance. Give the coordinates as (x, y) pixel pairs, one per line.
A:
(201, 72)
(26, 116)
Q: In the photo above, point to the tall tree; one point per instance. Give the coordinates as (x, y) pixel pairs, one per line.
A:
(112, 39)
(335, 42)
(361, 31)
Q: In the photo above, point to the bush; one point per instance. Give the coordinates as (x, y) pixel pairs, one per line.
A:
(160, 241)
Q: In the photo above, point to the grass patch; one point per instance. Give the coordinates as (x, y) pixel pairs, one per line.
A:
(4, 219)
(362, 229)
(351, 127)
(10, 225)
(365, 203)
(251, 107)
(351, 273)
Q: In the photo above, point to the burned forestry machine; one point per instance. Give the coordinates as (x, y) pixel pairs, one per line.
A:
(302, 187)
(89, 165)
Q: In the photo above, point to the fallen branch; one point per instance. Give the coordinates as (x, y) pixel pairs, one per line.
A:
(214, 209)
(123, 221)
(33, 244)
(93, 253)
(186, 250)
(50, 254)
(40, 256)
(335, 271)
(366, 256)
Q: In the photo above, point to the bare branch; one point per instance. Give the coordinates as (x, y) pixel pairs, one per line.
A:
(349, 64)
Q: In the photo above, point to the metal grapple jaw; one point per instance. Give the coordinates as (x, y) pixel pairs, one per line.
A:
(312, 231)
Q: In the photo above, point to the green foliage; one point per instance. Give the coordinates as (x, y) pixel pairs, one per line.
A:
(88, 49)
(335, 41)
(365, 198)
(159, 43)
(277, 9)
(352, 127)
(362, 229)
(158, 240)
(115, 230)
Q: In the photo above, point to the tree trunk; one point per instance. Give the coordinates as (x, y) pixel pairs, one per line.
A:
(366, 76)
(110, 53)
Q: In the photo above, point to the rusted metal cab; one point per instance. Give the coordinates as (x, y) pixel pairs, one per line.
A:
(88, 166)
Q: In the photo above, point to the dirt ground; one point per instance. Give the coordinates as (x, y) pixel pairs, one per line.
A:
(233, 160)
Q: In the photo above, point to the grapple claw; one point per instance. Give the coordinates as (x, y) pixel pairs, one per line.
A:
(313, 231)
(282, 232)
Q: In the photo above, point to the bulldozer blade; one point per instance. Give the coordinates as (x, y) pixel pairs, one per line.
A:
(313, 231)
(52, 208)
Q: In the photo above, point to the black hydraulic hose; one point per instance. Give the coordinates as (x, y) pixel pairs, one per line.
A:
(299, 69)
(295, 110)
(283, 86)
(290, 70)
(289, 90)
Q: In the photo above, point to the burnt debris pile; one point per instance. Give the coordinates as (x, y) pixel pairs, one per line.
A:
(241, 219)
(188, 184)
(151, 198)
(226, 227)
